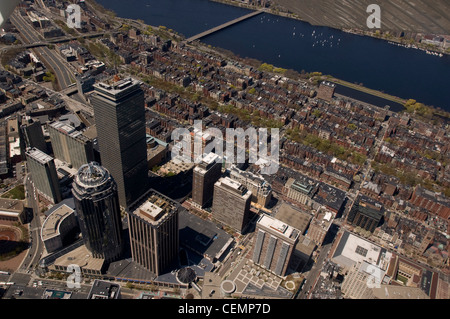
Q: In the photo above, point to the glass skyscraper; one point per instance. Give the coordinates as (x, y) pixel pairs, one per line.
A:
(98, 211)
(119, 112)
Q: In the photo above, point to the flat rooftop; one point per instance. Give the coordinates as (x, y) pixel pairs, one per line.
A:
(155, 208)
(352, 249)
(294, 217)
(207, 162)
(80, 256)
(176, 166)
(91, 132)
(56, 294)
(210, 158)
(150, 211)
(63, 127)
(202, 236)
(104, 290)
(50, 228)
(399, 292)
(282, 229)
(114, 90)
(323, 219)
(11, 205)
(39, 156)
(234, 186)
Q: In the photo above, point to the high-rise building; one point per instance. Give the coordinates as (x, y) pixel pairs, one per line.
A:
(31, 135)
(154, 234)
(70, 145)
(120, 120)
(98, 211)
(231, 203)
(204, 177)
(260, 188)
(43, 173)
(274, 243)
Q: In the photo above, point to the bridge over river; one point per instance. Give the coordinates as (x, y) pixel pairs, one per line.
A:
(225, 25)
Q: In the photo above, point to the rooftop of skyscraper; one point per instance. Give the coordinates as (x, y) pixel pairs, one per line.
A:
(69, 130)
(281, 228)
(154, 206)
(115, 87)
(39, 156)
(234, 186)
(92, 175)
(207, 162)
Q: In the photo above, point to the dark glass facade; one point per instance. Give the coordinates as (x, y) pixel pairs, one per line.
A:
(98, 211)
(120, 119)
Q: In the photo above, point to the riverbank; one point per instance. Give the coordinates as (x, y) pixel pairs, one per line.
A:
(406, 41)
(368, 90)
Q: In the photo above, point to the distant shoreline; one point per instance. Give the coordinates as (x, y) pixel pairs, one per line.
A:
(439, 113)
(293, 16)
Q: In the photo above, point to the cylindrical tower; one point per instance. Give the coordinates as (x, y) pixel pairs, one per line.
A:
(98, 211)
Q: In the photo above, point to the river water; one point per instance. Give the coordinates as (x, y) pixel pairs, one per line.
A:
(287, 43)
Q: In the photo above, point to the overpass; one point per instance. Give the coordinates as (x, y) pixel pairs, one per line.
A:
(223, 26)
(53, 41)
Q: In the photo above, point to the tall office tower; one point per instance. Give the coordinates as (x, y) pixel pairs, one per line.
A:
(203, 179)
(153, 228)
(231, 203)
(70, 145)
(31, 135)
(98, 211)
(43, 173)
(274, 244)
(120, 118)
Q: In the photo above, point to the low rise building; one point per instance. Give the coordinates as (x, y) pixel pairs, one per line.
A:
(319, 226)
(104, 290)
(57, 227)
(12, 210)
(300, 191)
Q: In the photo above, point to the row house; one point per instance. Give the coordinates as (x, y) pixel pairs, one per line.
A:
(433, 202)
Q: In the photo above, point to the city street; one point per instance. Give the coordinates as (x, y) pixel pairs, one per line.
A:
(61, 70)
(36, 246)
(313, 274)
